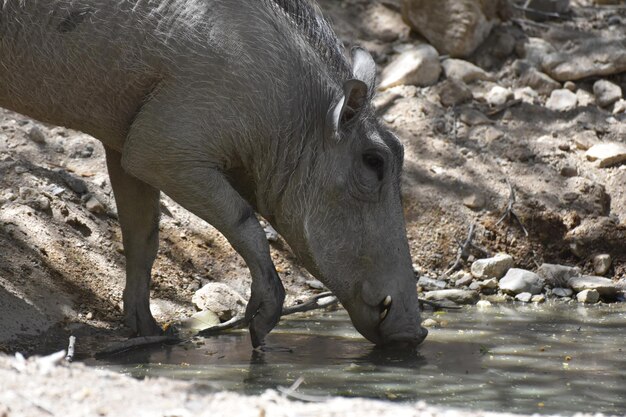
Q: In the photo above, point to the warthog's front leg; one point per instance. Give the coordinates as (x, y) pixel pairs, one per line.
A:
(138, 211)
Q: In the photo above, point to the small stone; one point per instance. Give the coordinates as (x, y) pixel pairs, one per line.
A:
(570, 85)
(465, 71)
(33, 198)
(474, 201)
(454, 92)
(465, 280)
(562, 100)
(431, 284)
(483, 304)
(494, 267)
(498, 96)
(606, 92)
(620, 106)
(220, 299)
(538, 299)
(429, 323)
(89, 316)
(569, 171)
(585, 139)
(474, 286)
(94, 205)
(526, 94)
(604, 286)
(585, 98)
(608, 154)
(540, 82)
(473, 117)
(270, 233)
(562, 292)
(535, 50)
(588, 296)
(20, 169)
(456, 296)
(557, 275)
(489, 284)
(518, 280)
(36, 135)
(419, 65)
(602, 263)
(524, 297)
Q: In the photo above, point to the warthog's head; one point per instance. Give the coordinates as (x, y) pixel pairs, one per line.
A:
(344, 218)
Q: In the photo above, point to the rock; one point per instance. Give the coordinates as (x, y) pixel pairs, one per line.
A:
(607, 154)
(473, 117)
(620, 106)
(430, 284)
(466, 279)
(200, 321)
(534, 50)
(456, 296)
(562, 100)
(494, 267)
(36, 135)
(454, 92)
(606, 92)
(588, 296)
(569, 85)
(562, 292)
(585, 139)
(19, 169)
(557, 275)
(524, 297)
(602, 263)
(315, 284)
(526, 94)
(538, 9)
(604, 286)
(75, 184)
(569, 171)
(270, 233)
(454, 27)
(474, 201)
(418, 66)
(474, 286)
(33, 198)
(462, 70)
(483, 304)
(585, 98)
(94, 205)
(429, 323)
(539, 81)
(489, 284)
(220, 299)
(538, 298)
(498, 96)
(586, 57)
(519, 280)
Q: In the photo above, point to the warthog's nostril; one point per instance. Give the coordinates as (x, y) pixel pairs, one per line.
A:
(384, 307)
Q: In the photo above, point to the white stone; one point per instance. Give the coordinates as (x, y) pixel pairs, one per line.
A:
(588, 296)
(456, 296)
(562, 292)
(620, 106)
(517, 281)
(494, 267)
(538, 298)
(467, 72)
(608, 154)
(220, 299)
(602, 263)
(498, 95)
(524, 297)
(483, 304)
(604, 286)
(606, 92)
(416, 66)
(562, 100)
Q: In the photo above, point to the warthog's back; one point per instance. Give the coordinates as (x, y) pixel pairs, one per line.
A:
(91, 64)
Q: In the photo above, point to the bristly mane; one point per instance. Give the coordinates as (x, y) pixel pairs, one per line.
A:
(307, 18)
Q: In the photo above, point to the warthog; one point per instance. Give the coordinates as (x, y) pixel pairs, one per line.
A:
(230, 108)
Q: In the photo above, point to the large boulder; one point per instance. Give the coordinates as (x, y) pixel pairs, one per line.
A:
(454, 27)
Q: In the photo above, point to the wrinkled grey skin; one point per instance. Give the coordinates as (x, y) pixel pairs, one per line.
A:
(229, 107)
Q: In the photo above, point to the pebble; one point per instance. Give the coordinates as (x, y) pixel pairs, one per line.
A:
(570, 85)
(473, 117)
(489, 284)
(483, 304)
(494, 267)
(585, 98)
(418, 65)
(453, 93)
(456, 296)
(220, 299)
(270, 233)
(602, 263)
(517, 281)
(498, 96)
(588, 296)
(604, 286)
(620, 106)
(429, 323)
(524, 297)
(465, 280)
(561, 100)
(94, 205)
(430, 283)
(474, 201)
(36, 135)
(607, 154)
(526, 94)
(538, 298)
(606, 92)
(538, 81)
(534, 50)
(465, 71)
(569, 171)
(557, 275)
(562, 292)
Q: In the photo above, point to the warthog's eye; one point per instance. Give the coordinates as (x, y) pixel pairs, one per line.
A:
(376, 163)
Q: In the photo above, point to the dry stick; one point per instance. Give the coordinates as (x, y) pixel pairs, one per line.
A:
(527, 9)
(135, 343)
(70, 349)
(463, 248)
(509, 213)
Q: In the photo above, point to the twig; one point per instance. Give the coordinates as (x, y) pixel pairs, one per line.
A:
(291, 392)
(463, 248)
(438, 306)
(509, 213)
(70, 349)
(135, 343)
(527, 10)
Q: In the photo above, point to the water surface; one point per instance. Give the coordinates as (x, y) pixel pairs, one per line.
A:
(559, 358)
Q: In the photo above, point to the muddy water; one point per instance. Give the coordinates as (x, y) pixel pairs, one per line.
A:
(547, 359)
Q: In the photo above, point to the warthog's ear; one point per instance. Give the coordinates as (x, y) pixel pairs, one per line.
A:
(364, 68)
(355, 96)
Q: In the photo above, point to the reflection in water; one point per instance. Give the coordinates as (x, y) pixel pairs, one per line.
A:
(546, 359)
